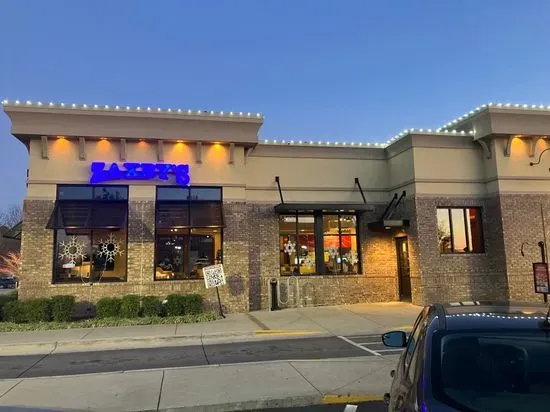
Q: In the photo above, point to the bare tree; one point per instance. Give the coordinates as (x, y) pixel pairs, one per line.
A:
(11, 216)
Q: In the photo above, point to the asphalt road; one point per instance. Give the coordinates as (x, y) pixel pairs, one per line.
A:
(57, 364)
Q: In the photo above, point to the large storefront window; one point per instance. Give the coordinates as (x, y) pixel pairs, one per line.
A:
(304, 239)
(297, 244)
(189, 224)
(460, 230)
(340, 244)
(90, 224)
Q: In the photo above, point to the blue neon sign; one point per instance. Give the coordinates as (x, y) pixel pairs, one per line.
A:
(139, 171)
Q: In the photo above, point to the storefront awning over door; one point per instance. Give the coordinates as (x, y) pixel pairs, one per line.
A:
(295, 207)
(88, 215)
(323, 207)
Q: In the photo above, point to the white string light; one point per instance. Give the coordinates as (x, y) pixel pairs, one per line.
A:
(96, 107)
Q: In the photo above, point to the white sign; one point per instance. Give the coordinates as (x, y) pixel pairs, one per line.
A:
(213, 276)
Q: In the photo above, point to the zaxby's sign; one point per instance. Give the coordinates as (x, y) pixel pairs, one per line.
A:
(139, 171)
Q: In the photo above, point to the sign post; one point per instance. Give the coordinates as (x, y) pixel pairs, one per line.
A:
(214, 277)
(541, 279)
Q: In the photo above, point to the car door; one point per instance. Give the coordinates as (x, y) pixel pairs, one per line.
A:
(401, 390)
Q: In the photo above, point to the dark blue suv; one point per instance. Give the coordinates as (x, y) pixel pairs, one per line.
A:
(473, 356)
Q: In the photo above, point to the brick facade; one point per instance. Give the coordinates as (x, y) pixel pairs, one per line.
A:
(251, 257)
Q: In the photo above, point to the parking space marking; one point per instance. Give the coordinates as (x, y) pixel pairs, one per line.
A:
(390, 350)
(359, 346)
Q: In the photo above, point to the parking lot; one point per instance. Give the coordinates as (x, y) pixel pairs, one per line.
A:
(371, 344)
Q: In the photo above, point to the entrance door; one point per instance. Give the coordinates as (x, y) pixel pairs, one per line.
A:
(403, 269)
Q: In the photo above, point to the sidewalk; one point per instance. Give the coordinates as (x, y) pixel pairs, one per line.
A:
(214, 387)
(327, 320)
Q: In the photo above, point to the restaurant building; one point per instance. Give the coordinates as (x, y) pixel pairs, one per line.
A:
(129, 200)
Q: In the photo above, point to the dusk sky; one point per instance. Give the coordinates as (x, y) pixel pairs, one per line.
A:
(340, 70)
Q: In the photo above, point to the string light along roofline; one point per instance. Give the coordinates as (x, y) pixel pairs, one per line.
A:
(364, 145)
(510, 106)
(451, 128)
(129, 109)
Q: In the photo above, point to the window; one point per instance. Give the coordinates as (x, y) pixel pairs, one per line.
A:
(318, 244)
(497, 369)
(189, 224)
(340, 244)
(297, 244)
(90, 224)
(460, 230)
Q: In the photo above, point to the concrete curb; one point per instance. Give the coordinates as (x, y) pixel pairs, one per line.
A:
(290, 402)
(118, 343)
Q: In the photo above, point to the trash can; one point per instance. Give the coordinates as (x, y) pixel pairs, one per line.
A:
(274, 294)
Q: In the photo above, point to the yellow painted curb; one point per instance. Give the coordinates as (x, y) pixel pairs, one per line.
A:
(329, 399)
(286, 332)
(401, 327)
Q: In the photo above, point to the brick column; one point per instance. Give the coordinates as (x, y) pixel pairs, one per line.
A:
(37, 249)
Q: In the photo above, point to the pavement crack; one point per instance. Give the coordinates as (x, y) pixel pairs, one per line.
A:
(204, 352)
(86, 334)
(317, 323)
(257, 321)
(8, 391)
(306, 379)
(38, 361)
(160, 392)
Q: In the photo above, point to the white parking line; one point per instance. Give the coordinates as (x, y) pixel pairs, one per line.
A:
(370, 343)
(389, 350)
(359, 346)
(350, 408)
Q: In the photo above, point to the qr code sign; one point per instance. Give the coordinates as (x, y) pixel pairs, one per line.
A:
(213, 276)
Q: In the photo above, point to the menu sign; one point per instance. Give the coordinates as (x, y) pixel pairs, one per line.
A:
(540, 275)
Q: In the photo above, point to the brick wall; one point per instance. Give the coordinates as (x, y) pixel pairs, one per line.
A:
(37, 259)
(36, 248)
(439, 278)
(376, 283)
(522, 222)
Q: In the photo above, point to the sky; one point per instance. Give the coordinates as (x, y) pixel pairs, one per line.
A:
(340, 70)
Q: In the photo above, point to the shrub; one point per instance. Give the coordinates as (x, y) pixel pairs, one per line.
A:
(151, 306)
(129, 306)
(5, 299)
(108, 307)
(37, 310)
(14, 311)
(62, 307)
(174, 305)
(192, 304)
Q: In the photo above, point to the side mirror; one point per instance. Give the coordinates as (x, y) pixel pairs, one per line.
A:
(395, 339)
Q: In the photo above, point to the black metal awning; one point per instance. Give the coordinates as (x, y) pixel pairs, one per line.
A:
(323, 207)
(88, 215)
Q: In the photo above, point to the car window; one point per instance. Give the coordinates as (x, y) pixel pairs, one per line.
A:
(493, 370)
(413, 338)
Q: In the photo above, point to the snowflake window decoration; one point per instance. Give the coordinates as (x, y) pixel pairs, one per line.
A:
(290, 247)
(332, 251)
(177, 260)
(72, 250)
(351, 257)
(109, 248)
(308, 261)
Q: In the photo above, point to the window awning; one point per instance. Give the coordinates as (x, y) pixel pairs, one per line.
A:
(88, 215)
(323, 207)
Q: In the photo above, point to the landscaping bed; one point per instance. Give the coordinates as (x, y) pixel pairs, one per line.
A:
(130, 310)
